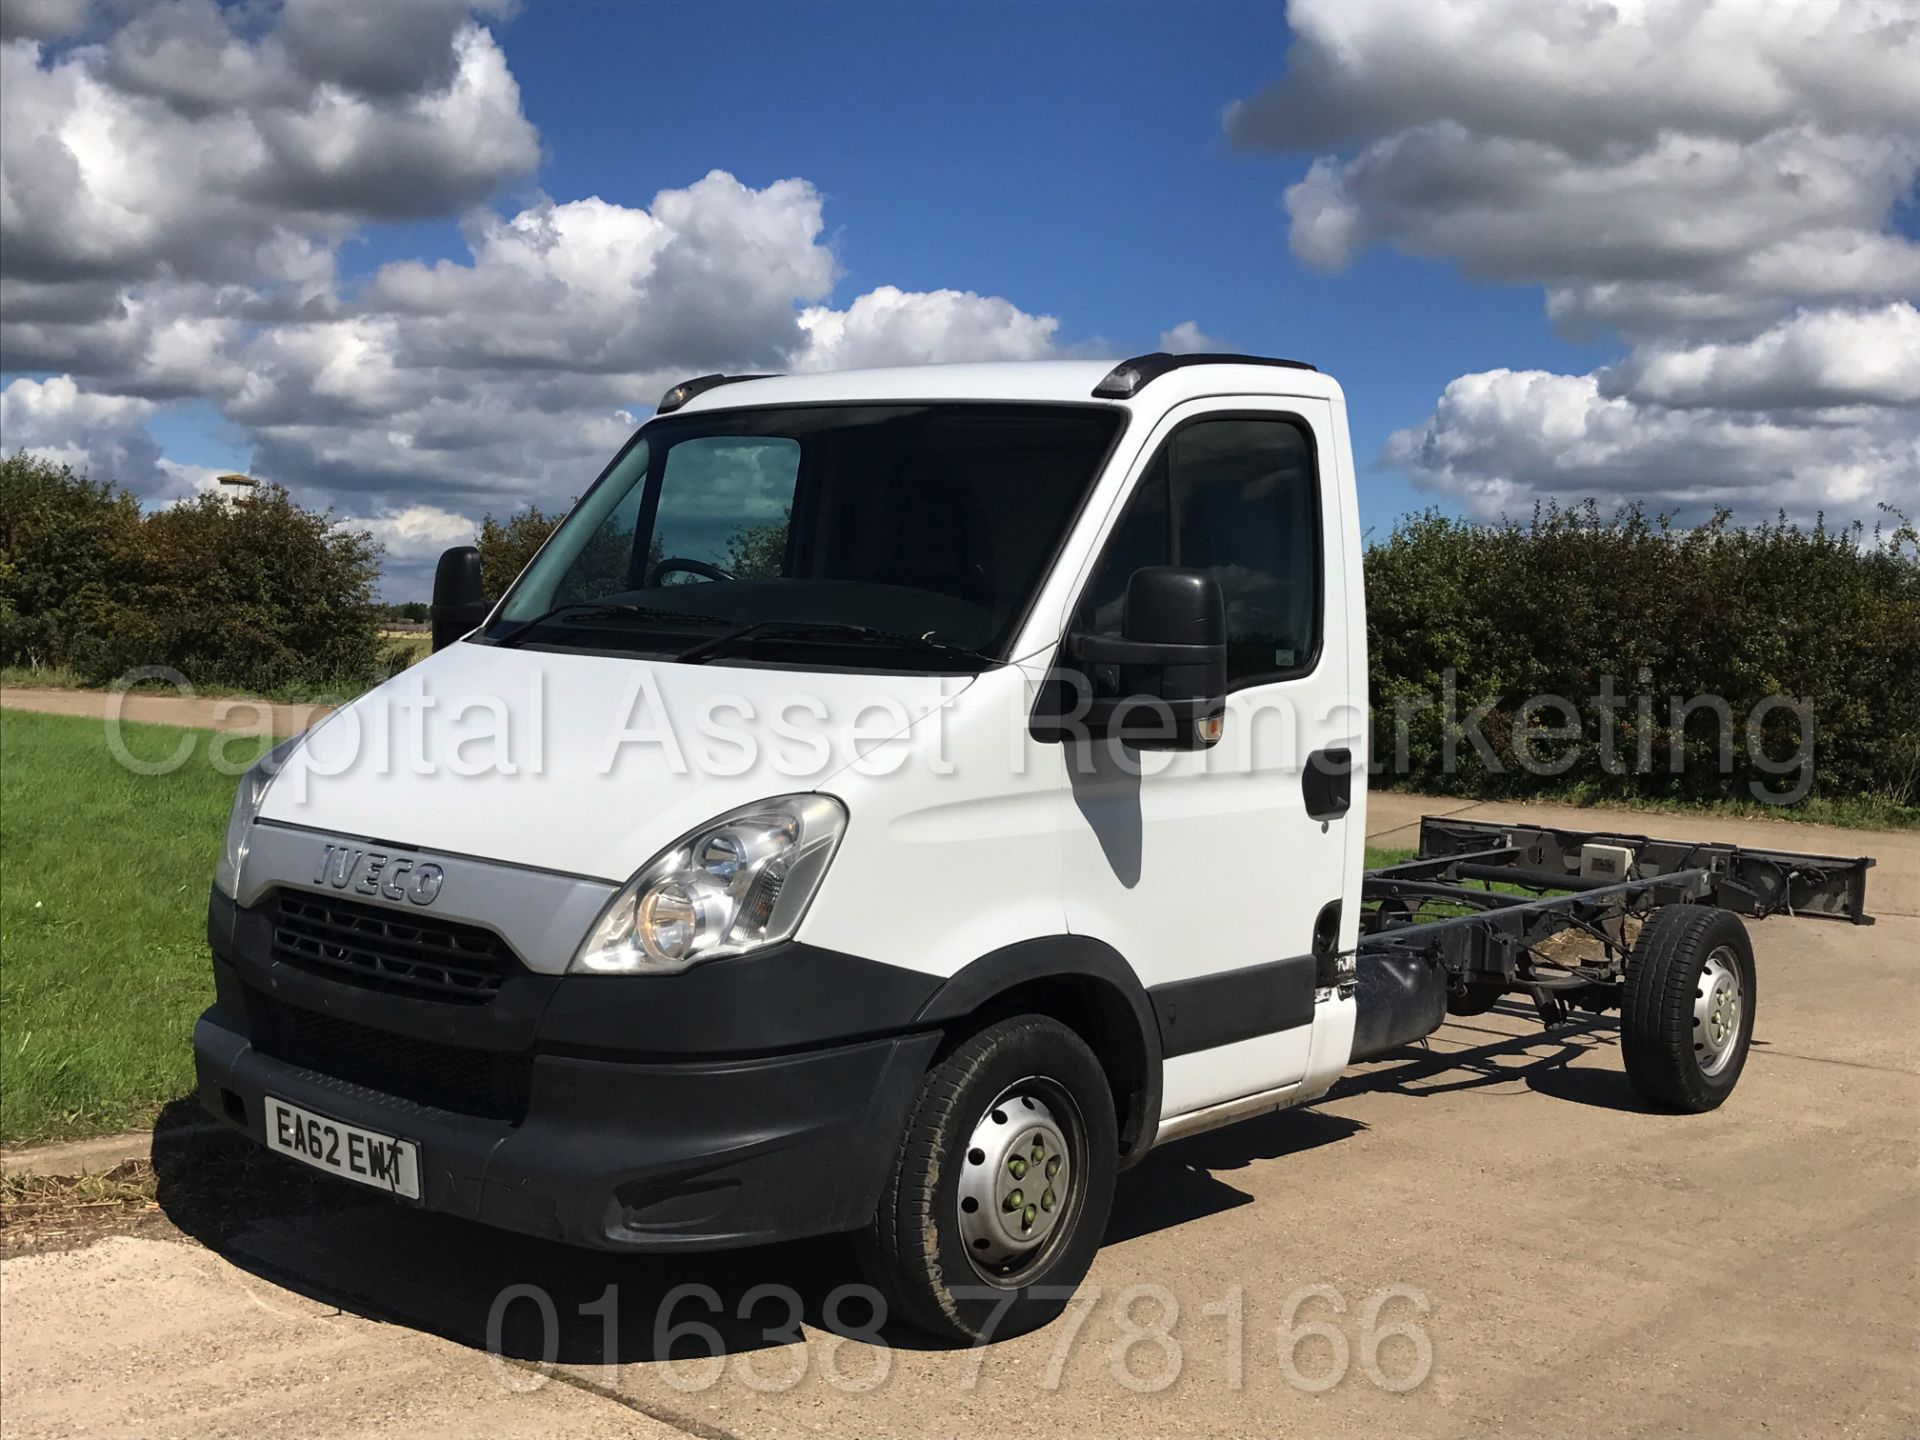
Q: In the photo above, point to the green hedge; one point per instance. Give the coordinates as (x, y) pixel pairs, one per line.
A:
(1823, 624)
(253, 593)
(507, 545)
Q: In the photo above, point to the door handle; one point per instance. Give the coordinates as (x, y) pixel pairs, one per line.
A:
(1327, 783)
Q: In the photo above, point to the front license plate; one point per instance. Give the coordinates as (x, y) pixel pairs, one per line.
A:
(367, 1156)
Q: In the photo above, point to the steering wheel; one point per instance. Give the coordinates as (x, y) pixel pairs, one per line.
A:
(680, 564)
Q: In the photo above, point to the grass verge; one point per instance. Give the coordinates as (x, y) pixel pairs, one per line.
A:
(103, 918)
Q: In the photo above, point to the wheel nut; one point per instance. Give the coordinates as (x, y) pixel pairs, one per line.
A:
(1046, 1201)
(1039, 1151)
(1017, 1167)
(1015, 1201)
(1027, 1220)
(1053, 1167)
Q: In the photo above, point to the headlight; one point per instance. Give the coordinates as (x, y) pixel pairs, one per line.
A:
(731, 886)
(246, 805)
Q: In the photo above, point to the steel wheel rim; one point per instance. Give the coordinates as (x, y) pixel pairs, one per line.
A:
(1716, 1012)
(1021, 1178)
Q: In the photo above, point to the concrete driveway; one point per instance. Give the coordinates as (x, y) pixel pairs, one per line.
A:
(1486, 1237)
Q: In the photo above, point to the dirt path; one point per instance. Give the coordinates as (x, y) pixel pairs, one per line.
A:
(203, 712)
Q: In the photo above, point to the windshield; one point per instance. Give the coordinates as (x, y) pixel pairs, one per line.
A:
(839, 534)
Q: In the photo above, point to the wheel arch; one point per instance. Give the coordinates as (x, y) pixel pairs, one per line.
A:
(1088, 986)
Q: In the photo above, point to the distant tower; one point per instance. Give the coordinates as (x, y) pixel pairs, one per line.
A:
(232, 487)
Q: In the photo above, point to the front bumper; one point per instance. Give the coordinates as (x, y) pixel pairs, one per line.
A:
(612, 1149)
(624, 1156)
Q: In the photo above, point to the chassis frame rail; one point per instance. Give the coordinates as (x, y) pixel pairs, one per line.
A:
(1586, 881)
(1751, 882)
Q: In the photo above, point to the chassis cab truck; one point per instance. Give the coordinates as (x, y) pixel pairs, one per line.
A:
(892, 803)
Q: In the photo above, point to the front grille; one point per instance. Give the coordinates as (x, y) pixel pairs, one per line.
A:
(389, 950)
(492, 1084)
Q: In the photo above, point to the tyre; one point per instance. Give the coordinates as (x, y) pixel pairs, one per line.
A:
(1688, 1015)
(1001, 1185)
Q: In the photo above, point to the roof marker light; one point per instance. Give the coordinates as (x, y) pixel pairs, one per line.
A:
(1121, 381)
(683, 392)
(699, 385)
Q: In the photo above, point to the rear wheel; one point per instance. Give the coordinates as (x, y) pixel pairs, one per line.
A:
(1002, 1184)
(1688, 1016)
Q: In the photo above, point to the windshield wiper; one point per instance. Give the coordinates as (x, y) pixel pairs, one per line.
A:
(602, 607)
(827, 630)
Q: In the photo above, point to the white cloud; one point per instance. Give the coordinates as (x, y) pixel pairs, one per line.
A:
(415, 535)
(1688, 232)
(1501, 438)
(378, 48)
(1187, 338)
(1818, 358)
(350, 152)
(1715, 180)
(175, 195)
(183, 482)
(1586, 77)
(708, 275)
(517, 373)
(31, 409)
(186, 146)
(899, 327)
(57, 420)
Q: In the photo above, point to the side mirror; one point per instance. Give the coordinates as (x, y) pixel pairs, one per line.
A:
(1171, 657)
(457, 605)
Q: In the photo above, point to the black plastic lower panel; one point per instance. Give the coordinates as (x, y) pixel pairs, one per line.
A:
(625, 1156)
(1234, 1005)
(492, 1084)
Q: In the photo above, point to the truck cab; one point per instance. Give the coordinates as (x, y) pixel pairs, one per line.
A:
(890, 803)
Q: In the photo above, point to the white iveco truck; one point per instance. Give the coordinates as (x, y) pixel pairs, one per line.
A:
(893, 803)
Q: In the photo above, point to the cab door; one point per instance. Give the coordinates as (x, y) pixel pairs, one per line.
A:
(1213, 871)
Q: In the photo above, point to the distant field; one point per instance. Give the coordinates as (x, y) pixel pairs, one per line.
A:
(415, 644)
(103, 903)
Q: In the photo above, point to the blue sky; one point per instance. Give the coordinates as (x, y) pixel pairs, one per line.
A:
(420, 260)
(1076, 164)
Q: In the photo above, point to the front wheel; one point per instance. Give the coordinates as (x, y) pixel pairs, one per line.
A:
(1688, 1016)
(999, 1193)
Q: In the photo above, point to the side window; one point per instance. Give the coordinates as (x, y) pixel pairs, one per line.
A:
(1142, 538)
(725, 501)
(1236, 497)
(1244, 507)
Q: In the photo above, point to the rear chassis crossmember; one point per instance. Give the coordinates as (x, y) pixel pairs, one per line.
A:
(1595, 884)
